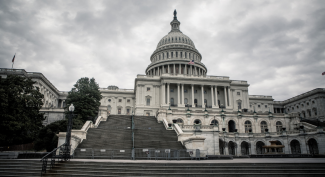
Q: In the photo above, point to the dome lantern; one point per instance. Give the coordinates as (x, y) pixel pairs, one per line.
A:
(175, 23)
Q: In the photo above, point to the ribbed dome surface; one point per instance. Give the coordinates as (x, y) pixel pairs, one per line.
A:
(175, 38)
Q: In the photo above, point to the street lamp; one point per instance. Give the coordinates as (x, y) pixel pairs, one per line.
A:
(67, 147)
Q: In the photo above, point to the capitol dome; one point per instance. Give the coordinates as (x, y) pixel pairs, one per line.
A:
(176, 54)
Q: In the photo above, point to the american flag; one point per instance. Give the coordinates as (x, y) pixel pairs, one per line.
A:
(13, 59)
(323, 73)
(191, 62)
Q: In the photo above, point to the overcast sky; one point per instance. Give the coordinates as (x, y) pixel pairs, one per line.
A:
(277, 46)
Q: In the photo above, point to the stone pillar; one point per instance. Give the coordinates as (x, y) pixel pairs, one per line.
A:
(163, 69)
(183, 94)
(185, 70)
(226, 102)
(192, 95)
(202, 91)
(226, 150)
(163, 86)
(174, 70)
(168, 91)
(212, 98)
(216, 94)
(230, 97)
(191, 70)
(178, 96)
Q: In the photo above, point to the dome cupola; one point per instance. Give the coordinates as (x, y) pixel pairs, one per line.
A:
(174, 52)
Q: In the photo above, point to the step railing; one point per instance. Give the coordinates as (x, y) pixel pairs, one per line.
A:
(57, 153)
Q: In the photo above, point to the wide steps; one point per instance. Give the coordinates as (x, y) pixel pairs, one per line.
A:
(184, 169)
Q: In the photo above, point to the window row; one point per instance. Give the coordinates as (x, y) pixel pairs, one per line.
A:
(175, 40)
(167, 55)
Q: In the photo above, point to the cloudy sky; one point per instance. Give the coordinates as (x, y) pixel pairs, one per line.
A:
(277, 46)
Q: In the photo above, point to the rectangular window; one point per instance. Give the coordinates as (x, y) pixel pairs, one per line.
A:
(171, 90)
(239, 105)
(148, 101)
(148, 88)
(238, 93)
(128, 101)
(120, 100)
(205, 92)
(185, 90)
(195, 91)
(259, 106)
(265, 106)
(218, 92)
(172, 54)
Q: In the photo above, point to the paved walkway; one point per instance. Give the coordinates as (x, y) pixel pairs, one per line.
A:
(244, 160)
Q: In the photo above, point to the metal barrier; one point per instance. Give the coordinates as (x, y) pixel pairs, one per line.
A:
(57, 153)
(90, 153)
(140, 153)
(166, 154)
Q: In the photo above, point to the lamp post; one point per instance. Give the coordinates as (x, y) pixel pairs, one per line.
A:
(67, 147)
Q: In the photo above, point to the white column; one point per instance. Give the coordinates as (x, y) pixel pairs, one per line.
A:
(163, 69)
(168, 90)
(192, 95)
(230, 97)
(178, 96)
(174, 70)
(202, 91)
(212, 98)
(163, 86)
(216, 94)
(142, 93)
(226, 102)
(154, 96)
(182, 101)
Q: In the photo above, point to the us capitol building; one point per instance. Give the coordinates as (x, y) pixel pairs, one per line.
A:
(212, 113)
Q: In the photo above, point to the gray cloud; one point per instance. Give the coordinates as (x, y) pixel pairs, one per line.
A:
(278, 47)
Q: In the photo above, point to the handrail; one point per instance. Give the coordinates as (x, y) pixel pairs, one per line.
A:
(53, 156)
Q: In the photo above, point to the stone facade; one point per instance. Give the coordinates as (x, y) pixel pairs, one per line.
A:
(211, 113)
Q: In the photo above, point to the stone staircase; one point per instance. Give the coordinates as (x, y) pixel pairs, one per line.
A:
(26, 168)
(108, 139)
(150, 134)
(80, 169)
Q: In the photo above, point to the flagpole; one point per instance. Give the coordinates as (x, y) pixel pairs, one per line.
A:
(12, 67)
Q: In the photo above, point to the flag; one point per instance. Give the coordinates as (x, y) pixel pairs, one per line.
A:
(323, 73)
(191, 62)
(13, 59)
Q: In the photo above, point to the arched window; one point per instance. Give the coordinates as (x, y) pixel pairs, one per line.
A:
(185, 101)
(244, 148)
(215, 122)
(263, 126)
(278, 125)
(179, 121)
(248, 126)
(231, 126)
(259, 147)
(295, 147)
(197, 121)
(313, 147)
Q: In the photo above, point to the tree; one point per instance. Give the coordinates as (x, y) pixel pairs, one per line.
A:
(20, 119)
(85, 96)
(47, 138)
